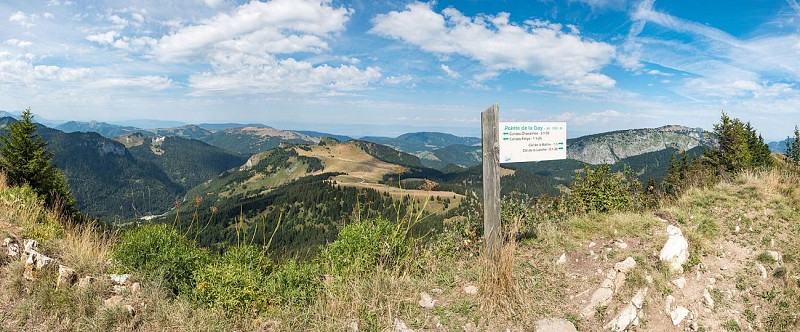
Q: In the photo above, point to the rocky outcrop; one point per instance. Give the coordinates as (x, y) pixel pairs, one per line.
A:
(609, 148)
(555, 325)
(676, 250)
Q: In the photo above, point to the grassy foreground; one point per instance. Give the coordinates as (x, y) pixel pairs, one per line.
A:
(732, 228)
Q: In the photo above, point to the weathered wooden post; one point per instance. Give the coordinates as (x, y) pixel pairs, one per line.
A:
(491, 182)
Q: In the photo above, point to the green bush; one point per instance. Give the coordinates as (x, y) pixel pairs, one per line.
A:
(364, 245)
(236, 282)
(294, 283)
(600, 190)
(160, 251)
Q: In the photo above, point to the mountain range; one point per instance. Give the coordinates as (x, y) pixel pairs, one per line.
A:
(121, 172)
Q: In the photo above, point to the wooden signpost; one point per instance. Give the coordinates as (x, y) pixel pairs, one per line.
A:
(511, 142)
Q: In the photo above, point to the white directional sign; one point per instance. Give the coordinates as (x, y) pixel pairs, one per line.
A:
(532, 141)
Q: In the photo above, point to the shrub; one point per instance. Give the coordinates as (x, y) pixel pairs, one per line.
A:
(364, 245)
(236, 282)
(160, 251)
(294, 283)
(600, 190)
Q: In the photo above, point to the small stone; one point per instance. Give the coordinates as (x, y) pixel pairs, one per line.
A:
(35, 262)
(625, 318)
(30, 245)
(426, 301)
(626, 265)
(7, 241)
(119, 289)
(86, 281)
(619, 281)
(471, 290)
(607, 283)
(437, 291)
(114, 300)
(680, 282)
(600, 297)
(621, 245)
(678, 315)
(13, 250)
(119, 279)
(668, 304)
(470, 327)
(554, 325)
(66, 277)
(562, 259)
(649, 279)
(352, 327)
(762, 270)
(136, 288)
(638, 299)
(676, 250)
(592, 244)
(130, 309)
(400, 326)
(736, 230)
(723, 268)
(708, 299)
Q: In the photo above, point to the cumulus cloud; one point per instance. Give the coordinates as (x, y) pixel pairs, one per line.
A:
(249, 74)
(18, 43)
(23, 19)
(278, 26)
(450, 72)
(602, 117)
(149, 82)
(103, 38)
(16, 69)
(559, 55)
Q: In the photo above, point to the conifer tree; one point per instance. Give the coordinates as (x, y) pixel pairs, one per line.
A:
(793, 146)
(26, 161)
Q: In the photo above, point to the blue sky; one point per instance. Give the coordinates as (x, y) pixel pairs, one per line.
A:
(366, 67)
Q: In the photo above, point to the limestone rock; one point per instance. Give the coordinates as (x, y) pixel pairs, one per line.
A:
(619, 281)
(12, 250)
(470, 290)
(775, 255)
(30, 245)
(7, 241)
(562, 259)
(625, 318)
(400, 326)
(426, 301)
(626, 265)
(668, 304)
(602, 296)
(762, 270)
(680, 282)
(708, 299)
(86, 281)
(638, 299)
(678, 315)
(66, 277)
(352, 327)
(554, 325)
(119, 279)
(35, 262)
(621, 245)
(130, 309)
(676, 249)
(136, 288)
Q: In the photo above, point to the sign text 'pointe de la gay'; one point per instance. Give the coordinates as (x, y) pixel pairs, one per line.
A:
(532, 141)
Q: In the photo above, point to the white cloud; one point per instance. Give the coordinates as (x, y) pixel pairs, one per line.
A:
(450, 72)
(282, 26)
(249, 74)
(602, 117)
(18, 43)
(400, 79)
(536, 47)
(658, 72)
(104, 38)
(143, 82)
(23, 19)
(16, 69)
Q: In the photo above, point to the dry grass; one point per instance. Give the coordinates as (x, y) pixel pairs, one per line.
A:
(86, 249)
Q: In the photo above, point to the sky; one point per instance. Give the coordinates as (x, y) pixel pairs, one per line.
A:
(368, 67)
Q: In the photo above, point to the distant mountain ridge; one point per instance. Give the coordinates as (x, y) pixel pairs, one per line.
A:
(415, 143)
(611, 147)
(105, 129)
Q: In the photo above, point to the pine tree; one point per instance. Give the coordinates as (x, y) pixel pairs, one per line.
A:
(793, 147)
(732, 151)
(26, 161)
